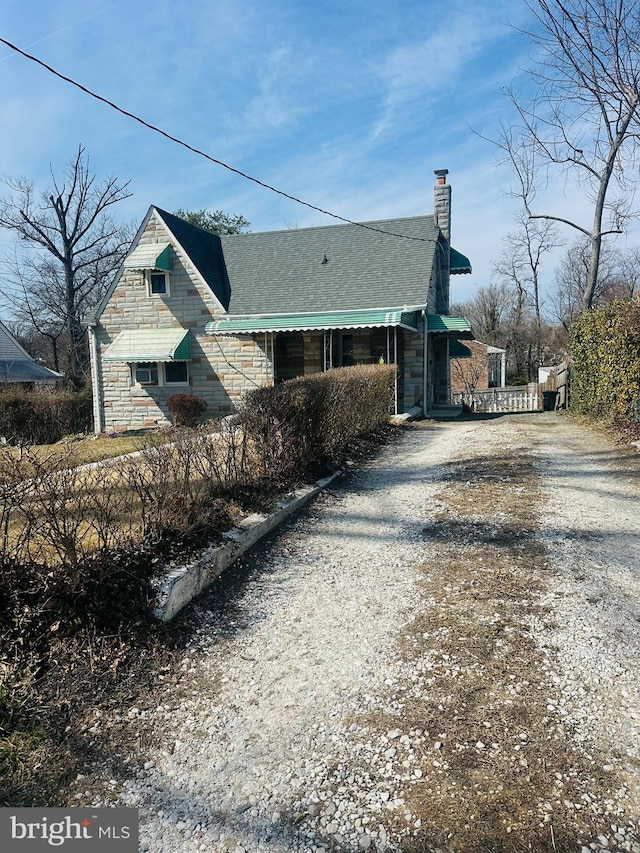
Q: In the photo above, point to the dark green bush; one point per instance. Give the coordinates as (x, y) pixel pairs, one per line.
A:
(44, 417)
(186, 409)
(605, 370)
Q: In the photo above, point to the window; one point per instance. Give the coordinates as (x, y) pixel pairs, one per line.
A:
(176, 372)
(494, 369)
(158, 283)
(146, 373)
(160, 373)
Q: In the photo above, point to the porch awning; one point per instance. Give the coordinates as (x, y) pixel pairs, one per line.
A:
(155, 256)
(453, 327)
(150, 345)
(458, 350)
(367, 319)
(459, 263)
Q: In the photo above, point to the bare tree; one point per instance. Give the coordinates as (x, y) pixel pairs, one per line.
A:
(617, 279)
(498, 319)
(467, 373)
(68, 247)
(628, 284)
(585, 116)
(37, 305)
(489, 313)
(519, 267)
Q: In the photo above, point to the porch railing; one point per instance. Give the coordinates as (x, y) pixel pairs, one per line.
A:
(521, 398)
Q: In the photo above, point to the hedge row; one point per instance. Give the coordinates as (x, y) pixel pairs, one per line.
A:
(305, 424)
(78, 546)
(605, 373)
(43, 417)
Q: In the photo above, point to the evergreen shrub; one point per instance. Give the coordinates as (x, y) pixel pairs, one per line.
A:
(605, 369)
(43, 416)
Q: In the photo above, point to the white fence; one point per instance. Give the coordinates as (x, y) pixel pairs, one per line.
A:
(522, 398)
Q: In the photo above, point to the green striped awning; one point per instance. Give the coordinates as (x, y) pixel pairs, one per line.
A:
(459, 263)
(153, 256)
(150, 345)
(365, 319)
(454, 327)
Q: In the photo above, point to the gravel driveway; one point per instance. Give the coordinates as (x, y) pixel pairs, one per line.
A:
(441, 653)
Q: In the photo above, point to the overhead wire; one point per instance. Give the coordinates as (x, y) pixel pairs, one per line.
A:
(201, 153)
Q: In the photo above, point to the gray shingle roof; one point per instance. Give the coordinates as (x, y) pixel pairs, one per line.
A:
(26, 370)
(205, 252)
(16, 365)
(282, 271)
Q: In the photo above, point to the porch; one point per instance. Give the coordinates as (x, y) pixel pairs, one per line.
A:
(303, 344)
(307, 343)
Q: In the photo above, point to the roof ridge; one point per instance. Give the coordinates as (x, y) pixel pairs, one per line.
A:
(334, 225)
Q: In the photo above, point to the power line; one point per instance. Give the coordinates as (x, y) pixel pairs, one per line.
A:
(203, 153)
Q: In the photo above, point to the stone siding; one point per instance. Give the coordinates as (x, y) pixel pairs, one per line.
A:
(442, 208)
(413, 365)
(221, 369)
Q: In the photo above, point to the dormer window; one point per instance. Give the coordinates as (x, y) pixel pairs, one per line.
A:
(153, 261)
(157, 283)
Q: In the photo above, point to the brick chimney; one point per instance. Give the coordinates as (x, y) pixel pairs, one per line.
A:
(442, 203)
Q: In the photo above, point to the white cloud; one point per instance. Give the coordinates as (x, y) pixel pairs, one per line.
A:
(431, 72)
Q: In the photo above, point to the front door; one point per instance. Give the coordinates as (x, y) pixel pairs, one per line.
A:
(289, 356)
(342, 354)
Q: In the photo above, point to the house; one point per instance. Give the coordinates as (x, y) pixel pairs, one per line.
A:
(215, 316)
(17, 367)
(476, 366)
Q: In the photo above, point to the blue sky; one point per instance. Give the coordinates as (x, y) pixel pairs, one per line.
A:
(349, 105)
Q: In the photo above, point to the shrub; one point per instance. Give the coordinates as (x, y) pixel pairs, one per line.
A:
(44, 417)
(605, 370)
(303, 426)
(186, 409)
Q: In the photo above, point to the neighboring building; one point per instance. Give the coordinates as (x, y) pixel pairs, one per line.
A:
(545, 373)
(217, 316)
(476, 366)
(17, 366)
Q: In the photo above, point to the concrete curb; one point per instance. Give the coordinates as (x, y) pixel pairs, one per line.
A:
(184, 583)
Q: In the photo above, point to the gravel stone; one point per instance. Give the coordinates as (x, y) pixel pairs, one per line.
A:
(263, 755)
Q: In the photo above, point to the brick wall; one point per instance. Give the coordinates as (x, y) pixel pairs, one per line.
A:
(470, 373)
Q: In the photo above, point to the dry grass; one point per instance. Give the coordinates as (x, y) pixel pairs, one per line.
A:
(55, 509)
(86, 449)
(75, 724)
